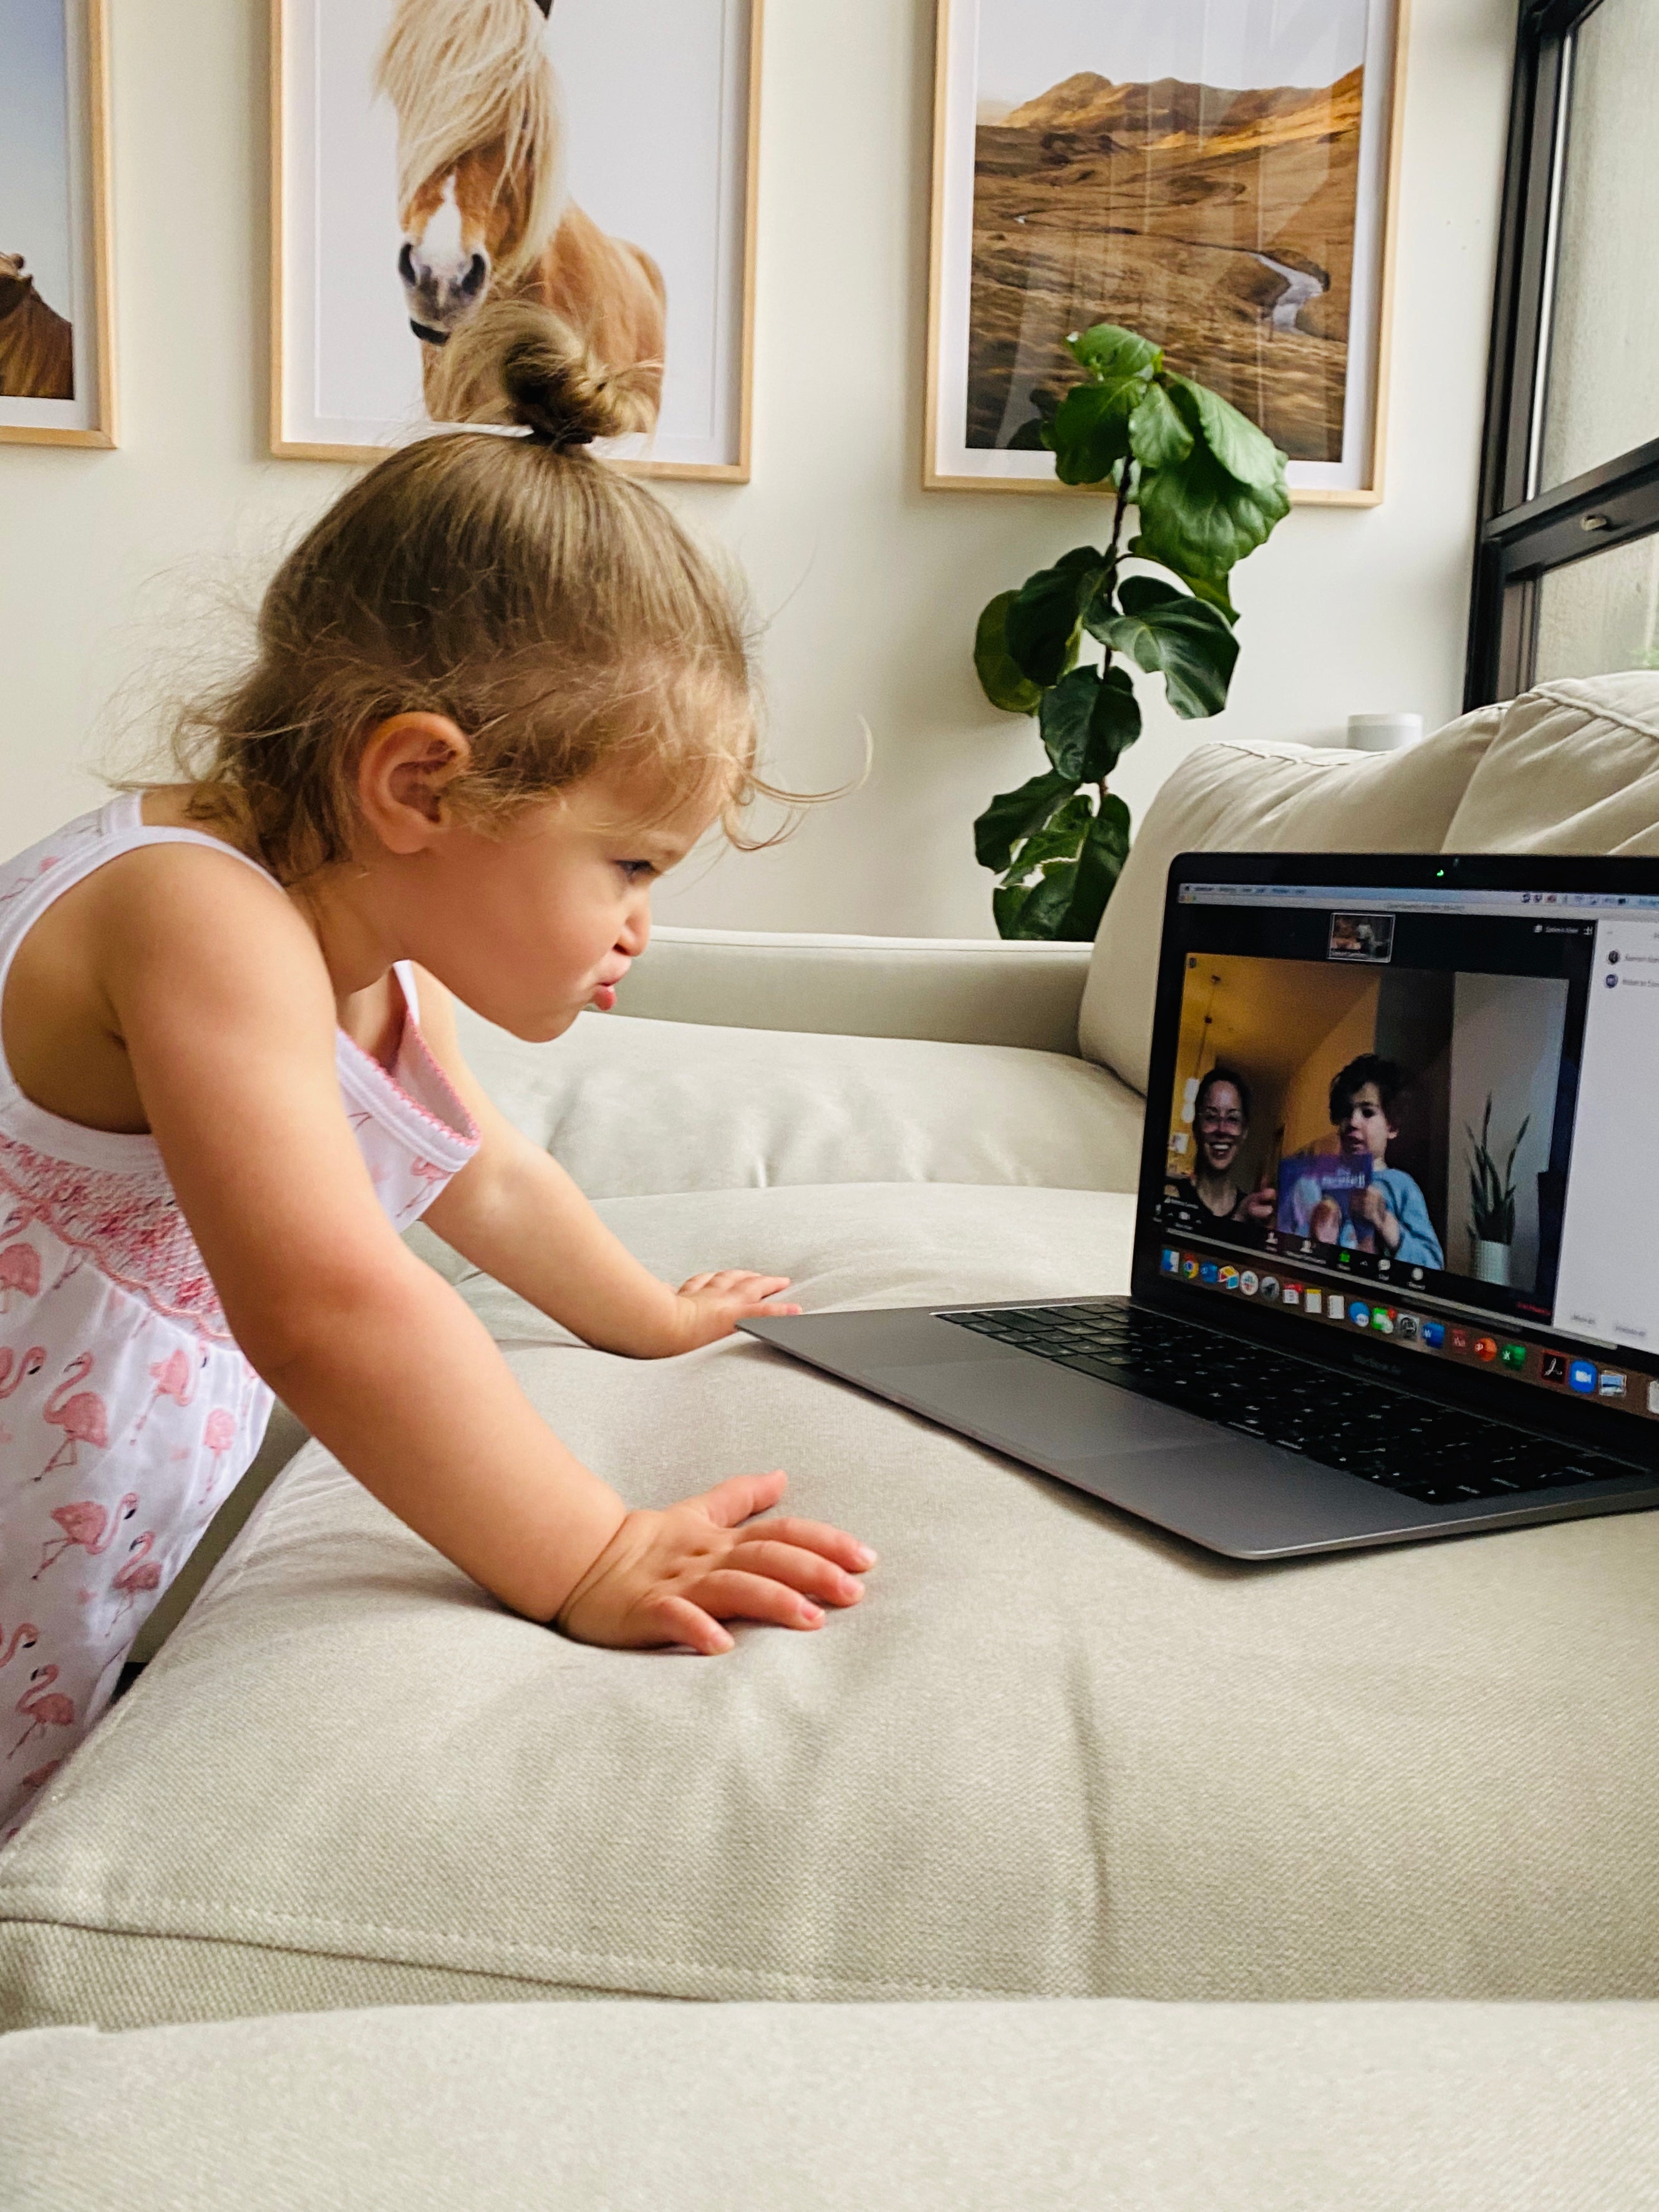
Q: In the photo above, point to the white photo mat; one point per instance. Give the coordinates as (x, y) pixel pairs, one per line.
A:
(661, 104)
(950, 463)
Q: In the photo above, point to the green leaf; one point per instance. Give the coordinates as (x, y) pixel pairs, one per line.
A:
(1198, 520)
(1033, 897)
(1035, 910)
(1040, 626)
(1169, 634)
(1013, 816)
(1213, 595)
(1107, 349)
(1001, 679)
(1077, 863)
(1068, 709)
(1113, 726)
(1157, 433)
(1059, 839)
(1088, 721)
(1090, 432)
(1100, 863)
(1248, 455)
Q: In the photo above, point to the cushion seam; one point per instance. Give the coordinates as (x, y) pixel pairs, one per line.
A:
(552, 1955)
(1599, 713)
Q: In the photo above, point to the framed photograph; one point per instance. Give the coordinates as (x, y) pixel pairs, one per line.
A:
(597, 156)
(1220, 179)
(56, 339)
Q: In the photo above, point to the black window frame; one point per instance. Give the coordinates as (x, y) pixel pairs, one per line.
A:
(1522, 535)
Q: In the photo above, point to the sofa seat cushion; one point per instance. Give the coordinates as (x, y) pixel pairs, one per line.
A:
(1054, 1753)
(1087, 2108)
(630, 1106)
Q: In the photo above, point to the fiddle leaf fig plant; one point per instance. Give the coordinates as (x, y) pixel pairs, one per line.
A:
(1207, 488)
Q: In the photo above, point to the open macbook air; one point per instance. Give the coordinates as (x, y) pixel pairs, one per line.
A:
(1396, 1253)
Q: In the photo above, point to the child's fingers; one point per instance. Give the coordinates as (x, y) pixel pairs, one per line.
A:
(817, 1536)
(740, 1497)
(744, 1312)
(732, 1594)
(682, 1622)
(807, 1572)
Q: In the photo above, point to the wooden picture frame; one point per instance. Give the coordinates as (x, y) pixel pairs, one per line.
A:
(721, 343)
(1356, 479)
(57, 368)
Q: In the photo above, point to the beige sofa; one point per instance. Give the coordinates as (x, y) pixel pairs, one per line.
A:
(1055, 1754)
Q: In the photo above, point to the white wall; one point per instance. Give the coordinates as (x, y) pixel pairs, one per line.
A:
(1506, 1046)
(870, 586)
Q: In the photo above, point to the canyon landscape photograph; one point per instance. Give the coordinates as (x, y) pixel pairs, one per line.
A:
(1168, 171)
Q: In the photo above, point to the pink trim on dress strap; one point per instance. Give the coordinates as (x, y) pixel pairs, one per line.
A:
(467, 1133)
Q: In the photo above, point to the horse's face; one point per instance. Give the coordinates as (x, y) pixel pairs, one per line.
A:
(456, 229)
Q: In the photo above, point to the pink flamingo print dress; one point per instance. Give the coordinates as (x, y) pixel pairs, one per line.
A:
(127, 1413)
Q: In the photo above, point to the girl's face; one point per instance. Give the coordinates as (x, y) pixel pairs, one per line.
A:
(530, 924)
(1366, 1129)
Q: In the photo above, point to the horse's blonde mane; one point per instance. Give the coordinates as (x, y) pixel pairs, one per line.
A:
(462, 74)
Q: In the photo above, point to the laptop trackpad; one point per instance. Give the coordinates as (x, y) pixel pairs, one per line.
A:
(1036, 1406)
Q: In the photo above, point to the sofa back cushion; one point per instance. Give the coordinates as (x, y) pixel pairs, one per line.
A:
(1573, 767)
(630, 1107)
(1569, 768)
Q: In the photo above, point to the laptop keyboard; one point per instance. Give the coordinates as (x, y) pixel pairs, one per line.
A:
(1435, 1454)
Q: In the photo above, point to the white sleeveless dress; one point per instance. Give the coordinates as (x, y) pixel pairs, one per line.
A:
(127, 1413)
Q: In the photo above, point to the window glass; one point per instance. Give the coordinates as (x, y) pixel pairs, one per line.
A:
(1601, 395)
(1599, 615)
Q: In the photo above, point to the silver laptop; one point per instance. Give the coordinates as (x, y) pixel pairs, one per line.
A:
(1397, 1255)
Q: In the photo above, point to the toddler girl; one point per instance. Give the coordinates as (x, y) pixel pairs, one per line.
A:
(497, 693)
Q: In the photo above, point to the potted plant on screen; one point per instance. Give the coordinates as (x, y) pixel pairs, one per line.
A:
(1491, 1200)
(1207, 488)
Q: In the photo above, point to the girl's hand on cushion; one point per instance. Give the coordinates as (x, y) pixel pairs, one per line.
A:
(711, 1306)
(672, 1577)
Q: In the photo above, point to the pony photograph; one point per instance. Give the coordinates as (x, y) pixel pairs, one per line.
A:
(49, 205)
(590, 157)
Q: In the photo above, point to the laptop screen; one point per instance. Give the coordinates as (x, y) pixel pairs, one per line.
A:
(1420, 1110)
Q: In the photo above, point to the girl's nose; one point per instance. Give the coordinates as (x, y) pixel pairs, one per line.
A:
(635, 933)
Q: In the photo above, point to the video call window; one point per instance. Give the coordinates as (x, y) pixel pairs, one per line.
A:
(1358, 1103)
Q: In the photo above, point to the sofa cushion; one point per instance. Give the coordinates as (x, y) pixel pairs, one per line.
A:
(959, 990)
(1055, 1752)
(1574, 767)
(1230, 797)
(629, 1107)
(1088, 2107)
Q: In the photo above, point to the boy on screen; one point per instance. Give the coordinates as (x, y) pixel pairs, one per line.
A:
(1390, 1205)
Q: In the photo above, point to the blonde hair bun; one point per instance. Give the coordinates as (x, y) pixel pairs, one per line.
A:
(517, 362)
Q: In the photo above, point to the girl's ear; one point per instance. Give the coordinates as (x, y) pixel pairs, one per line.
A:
(407, 762)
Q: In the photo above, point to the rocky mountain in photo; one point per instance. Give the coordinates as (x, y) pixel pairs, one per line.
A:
(1218, 222)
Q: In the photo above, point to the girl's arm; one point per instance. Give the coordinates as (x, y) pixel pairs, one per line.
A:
(513, 1211)
(218, 991)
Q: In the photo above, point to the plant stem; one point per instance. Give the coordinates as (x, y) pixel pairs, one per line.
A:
(1118, 514)
(1113, 555)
